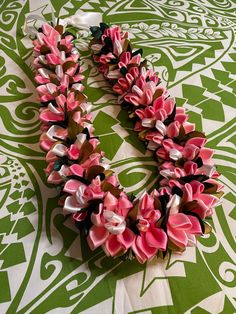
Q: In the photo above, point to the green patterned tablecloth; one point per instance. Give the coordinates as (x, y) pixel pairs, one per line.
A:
(44, 265)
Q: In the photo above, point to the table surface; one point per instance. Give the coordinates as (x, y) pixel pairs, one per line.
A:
(44, 265)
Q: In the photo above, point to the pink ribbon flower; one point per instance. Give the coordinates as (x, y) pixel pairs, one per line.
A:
(109, 226)
(151, 238)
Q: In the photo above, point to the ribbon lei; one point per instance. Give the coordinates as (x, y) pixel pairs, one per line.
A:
(169, 218)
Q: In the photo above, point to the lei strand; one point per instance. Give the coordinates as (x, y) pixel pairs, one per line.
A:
(167, 219)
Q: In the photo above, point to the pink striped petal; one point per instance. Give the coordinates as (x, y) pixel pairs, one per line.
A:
(181, 118)
(190, 167)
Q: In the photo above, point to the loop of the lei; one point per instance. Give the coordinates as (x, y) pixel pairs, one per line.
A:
(167, 219)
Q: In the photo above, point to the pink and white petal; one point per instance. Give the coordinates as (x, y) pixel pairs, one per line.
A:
(51, 58)
(46, 144)
(41, 80)
(71, 205)
(42, 89)
(98, 219)
(56, 131)
(48, 116)
(97, 236)
(59, 150)
(50, 156)
(72, 186)
(47, 29)
(55, 178)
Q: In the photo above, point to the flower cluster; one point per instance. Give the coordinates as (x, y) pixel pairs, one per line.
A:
(188, 192)
(169, 218)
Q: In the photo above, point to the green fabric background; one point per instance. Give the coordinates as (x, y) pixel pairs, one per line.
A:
(44, 265)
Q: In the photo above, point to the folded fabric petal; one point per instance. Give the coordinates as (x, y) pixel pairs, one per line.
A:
(97, 236)
(72, 186)
(156, 238)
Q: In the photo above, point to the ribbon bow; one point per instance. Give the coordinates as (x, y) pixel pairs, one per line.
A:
(81, 20)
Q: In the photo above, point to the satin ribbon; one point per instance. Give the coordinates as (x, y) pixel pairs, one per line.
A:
(175, 154)
(81, 20)
(160, 126)
(173, 204)
(115, 223)
(59, 150)
(56, 130)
